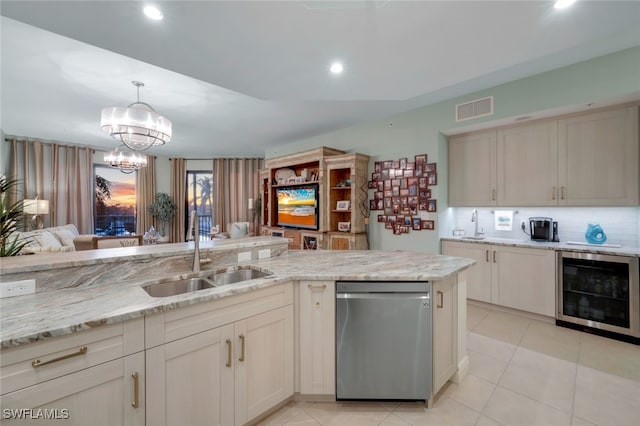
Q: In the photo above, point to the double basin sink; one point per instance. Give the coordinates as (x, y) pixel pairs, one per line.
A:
(217, 278)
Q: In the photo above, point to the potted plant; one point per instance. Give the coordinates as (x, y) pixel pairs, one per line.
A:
(11, 216)
(163, 209)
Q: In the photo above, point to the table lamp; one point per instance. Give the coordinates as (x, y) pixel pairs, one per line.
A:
(37, 208)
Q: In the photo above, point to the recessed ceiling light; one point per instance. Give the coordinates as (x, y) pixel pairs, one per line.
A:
(336, 68)
(153, 12)
(563, 4)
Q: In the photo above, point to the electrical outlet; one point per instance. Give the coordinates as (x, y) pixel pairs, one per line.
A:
(17, 288)
(264, 254)
(244, 256)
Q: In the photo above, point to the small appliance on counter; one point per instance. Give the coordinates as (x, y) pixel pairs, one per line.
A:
(543, 229)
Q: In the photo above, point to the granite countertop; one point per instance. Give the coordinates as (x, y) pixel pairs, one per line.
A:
(561, 246)
(27, 319)
(46, 261)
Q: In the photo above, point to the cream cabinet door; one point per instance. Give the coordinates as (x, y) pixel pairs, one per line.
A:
(599, 159)
(317, 337)
(524, 279)
(263, 362)
(478, 275)
(445, 331)
(528, 165)
(190, 381)
(472, 170)
(100, 395)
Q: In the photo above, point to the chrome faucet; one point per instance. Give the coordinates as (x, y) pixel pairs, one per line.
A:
(194, 233)
(474, 219)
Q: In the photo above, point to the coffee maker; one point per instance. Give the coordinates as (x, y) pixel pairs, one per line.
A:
(543, 229)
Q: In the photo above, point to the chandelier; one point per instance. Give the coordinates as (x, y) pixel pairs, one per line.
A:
(127, 161)
(138, 126)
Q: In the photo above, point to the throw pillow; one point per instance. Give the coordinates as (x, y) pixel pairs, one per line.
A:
(65, 236)
(239, 229)
(47, 239)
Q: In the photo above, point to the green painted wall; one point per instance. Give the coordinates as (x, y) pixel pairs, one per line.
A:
(419, 131)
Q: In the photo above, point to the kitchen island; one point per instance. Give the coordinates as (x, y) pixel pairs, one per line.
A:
(288, 313)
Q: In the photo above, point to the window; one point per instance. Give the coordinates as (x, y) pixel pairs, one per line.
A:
(114, 201)
(200, 199)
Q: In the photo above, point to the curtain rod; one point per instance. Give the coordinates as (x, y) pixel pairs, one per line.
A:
(216, 158)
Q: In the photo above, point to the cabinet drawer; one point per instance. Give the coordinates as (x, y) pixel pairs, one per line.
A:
(177, 324)
(34, 363)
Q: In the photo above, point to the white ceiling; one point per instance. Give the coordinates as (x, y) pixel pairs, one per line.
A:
(237, 76)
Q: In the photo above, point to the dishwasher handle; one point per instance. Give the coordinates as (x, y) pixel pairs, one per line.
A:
(381, 296)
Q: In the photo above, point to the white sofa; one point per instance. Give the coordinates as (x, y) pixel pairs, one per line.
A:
(66, 238)
(54, 239)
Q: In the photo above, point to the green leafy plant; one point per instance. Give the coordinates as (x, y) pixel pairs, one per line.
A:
(163, 209)
(11, 217)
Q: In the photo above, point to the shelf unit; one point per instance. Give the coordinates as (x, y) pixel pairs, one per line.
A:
(340, 177)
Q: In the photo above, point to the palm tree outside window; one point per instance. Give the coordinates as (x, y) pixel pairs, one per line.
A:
(200, 199)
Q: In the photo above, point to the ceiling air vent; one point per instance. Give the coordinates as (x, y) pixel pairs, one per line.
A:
(474, 109)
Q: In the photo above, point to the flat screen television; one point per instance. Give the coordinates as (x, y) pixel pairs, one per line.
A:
(297, 206)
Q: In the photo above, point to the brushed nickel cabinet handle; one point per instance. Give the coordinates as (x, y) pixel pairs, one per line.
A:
(316, 287)
(493, 195)
(241, 347)
(494, 256)
(136, 390)
(553, 193)
(441, 302)
(228, 364)
(562, 192)
(486, 255)
(37, 363)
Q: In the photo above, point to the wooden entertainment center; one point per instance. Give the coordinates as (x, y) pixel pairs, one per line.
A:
(342, 198)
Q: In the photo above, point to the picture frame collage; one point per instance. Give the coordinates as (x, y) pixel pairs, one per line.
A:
(402, 189)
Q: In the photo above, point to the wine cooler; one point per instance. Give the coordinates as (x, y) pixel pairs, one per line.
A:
(599, 293)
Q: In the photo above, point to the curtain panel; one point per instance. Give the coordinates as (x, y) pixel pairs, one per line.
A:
(145, 195)
(64, 183)
(235, 180)
(177, 228)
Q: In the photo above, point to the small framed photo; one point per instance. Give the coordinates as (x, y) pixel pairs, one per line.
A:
(382, 218)
(387, 184)
(413, 190)
(388, 193)
(375, 176)
(378, 194)
(407, 221)
(389, 225)
(343, 205)
(425, 193)
(404, 184)
(392, 173)
(407, 173)
(422, 183)
(395, 164)
(418, 171)
(420, 159)
(404, 192)
(403, 163)
(411, 166)
(432, 178)
(373, 205)
(400, 219)
(404, 201)
(404, 229)
(391, 219)
(380, 204)
(430, 168)
(386, 165)
(372, 184)
(344, 226)
(417, 224)
(428, 224)
(431, 205)
(395, 191)
(422, 205)
(385, 174)
(397, 230)
(377, 166)
(380, 185)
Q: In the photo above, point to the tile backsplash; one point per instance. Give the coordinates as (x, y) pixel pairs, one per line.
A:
(620, 224)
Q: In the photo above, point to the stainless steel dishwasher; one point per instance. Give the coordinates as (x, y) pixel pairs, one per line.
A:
(383, 340)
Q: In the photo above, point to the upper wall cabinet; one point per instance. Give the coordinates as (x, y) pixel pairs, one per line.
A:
(598, 159)
(589, 159)
(472, 169)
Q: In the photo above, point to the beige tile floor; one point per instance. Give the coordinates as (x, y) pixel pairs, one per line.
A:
(522, 372)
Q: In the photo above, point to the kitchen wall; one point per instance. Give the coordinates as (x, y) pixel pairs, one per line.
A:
(423, 131)
(620, 224)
